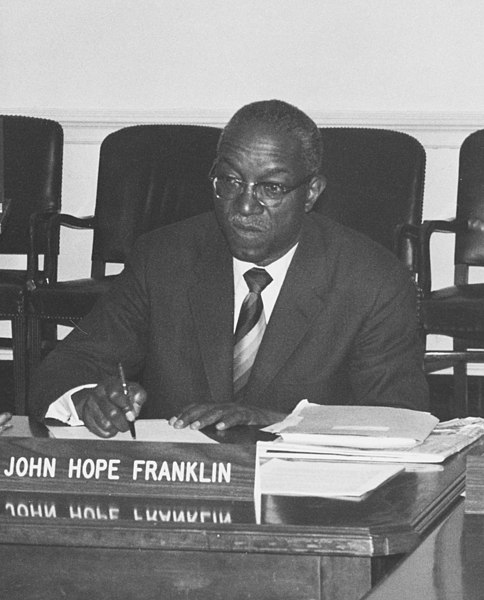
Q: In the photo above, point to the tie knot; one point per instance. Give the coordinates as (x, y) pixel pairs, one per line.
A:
(257, 279)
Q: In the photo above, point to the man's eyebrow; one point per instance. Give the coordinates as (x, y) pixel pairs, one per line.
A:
(276, 171)
(267, 174)
(225, 161)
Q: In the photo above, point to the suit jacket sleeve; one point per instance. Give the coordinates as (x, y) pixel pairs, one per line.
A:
(387, 357)
(114, 331)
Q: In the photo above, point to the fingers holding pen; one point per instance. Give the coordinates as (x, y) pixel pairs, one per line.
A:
(120, 404)
(106, 409)
(131, 402)
(138, 396)
(101, 419)
(5, 421)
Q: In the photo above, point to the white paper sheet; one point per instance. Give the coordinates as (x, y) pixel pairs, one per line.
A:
(147, 430)
(323, 479)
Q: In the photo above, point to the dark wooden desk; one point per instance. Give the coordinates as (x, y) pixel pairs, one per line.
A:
(448, 565)
(80, 546)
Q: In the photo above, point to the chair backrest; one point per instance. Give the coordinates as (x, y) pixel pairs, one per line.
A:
(149, 176)
(152, 175)
(469, 244)
(375, 181)
(32, 158)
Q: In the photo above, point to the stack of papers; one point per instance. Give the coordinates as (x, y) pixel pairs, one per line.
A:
(298, 437)
(368, 427)
(297, 463)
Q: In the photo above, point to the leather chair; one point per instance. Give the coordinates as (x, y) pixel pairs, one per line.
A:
(375, 183)
(31, 167)
(457, 311)
(149, 176)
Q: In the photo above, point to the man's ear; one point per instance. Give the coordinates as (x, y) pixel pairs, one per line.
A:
(315, 189)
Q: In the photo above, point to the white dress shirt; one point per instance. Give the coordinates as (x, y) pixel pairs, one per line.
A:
(277, 270)
(63, 408)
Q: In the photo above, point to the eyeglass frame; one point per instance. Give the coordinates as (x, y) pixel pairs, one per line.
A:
(252, 187)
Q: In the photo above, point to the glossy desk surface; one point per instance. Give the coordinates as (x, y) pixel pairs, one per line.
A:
(448, 565)
(303, 547)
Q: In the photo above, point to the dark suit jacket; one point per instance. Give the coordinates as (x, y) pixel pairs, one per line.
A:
(343, 330)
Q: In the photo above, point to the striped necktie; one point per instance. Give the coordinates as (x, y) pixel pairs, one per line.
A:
(250, 327)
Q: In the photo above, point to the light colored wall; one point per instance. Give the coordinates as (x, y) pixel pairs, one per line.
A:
(390, 55)
(97, 65)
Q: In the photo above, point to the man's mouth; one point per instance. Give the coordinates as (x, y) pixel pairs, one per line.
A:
(247, 226)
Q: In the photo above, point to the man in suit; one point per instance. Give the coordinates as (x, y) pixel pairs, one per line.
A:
(324, 313)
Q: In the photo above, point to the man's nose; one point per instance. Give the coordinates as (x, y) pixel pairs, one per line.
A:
(247, 202)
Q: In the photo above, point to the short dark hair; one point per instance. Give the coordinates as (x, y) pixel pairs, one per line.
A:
(283, 117)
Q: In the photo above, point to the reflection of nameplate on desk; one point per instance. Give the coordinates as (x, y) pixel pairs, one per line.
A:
(74, 508)
(127, 468)
(114, 521)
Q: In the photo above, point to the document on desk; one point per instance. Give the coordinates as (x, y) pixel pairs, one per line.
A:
(323, 479)
(147, 430)
(355, 426)
(446, 439)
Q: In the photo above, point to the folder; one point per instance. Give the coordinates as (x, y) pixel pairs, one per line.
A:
(355, 426)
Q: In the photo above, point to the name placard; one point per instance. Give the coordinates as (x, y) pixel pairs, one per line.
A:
(152, 469)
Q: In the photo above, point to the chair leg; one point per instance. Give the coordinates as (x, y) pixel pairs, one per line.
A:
(39, 334)
(461, 391)
(20, 374)
(34, 343)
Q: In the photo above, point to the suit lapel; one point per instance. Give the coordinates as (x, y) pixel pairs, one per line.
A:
(299, 301)
(211, 300)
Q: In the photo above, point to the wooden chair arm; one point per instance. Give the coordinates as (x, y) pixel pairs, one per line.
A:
(427, 229)
(406, 232)
(50, 223)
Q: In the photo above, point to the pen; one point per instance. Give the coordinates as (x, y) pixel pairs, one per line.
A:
(126, 393)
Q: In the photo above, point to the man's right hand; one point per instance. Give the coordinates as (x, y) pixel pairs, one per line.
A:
(105, 409)
(5, 421)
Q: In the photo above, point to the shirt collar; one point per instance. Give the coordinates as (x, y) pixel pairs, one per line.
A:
(276, 270)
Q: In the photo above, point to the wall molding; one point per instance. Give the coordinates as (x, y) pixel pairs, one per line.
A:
(437, 130)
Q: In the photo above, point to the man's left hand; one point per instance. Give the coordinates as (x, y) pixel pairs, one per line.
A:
(224, 416)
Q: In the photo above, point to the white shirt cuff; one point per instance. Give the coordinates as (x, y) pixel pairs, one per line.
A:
(63, 408)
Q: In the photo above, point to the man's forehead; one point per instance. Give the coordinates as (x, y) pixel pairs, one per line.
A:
(260, 141)
(255, 130)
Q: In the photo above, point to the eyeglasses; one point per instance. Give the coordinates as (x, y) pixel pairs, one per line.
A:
(267, 193)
